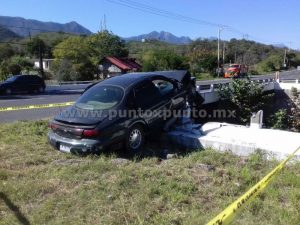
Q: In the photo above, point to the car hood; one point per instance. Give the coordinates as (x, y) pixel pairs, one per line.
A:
(76, 116)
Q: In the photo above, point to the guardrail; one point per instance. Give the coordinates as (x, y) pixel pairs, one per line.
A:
(210, 91)
(211, 95)
(290, 81)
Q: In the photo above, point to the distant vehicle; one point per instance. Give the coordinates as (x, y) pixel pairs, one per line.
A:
(23, 83)
(86, 127)
(235, 71)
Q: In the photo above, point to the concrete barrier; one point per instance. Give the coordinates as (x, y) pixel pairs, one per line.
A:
(238, 139)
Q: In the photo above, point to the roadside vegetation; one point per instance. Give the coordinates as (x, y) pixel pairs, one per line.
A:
(78, 57)
(40, 185)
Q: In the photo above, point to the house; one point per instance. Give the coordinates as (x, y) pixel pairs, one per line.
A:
(113, 65)
(46, 64)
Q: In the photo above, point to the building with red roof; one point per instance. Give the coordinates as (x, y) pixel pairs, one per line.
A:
(113, 65)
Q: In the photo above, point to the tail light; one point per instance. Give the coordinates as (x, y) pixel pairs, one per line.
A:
(53, 126)
(90, 133)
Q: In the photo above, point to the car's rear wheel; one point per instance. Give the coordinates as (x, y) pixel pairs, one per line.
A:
(41, 90)
(8, 91)
(135, 139)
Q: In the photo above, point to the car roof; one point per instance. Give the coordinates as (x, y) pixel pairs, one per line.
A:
(129, 79)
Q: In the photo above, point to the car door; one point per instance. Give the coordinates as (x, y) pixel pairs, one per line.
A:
(149, 102)
(32, 83)
(19, 85)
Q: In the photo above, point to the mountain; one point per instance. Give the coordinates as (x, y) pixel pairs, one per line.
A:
(25, 27)
(161, 36)
(280, 45)
(6, 34)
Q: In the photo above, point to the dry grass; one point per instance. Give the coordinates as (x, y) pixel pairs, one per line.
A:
(42, 186)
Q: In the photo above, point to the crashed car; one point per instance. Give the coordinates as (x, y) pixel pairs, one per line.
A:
(119, 111)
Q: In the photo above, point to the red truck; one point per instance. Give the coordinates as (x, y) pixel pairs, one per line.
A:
(235, 71)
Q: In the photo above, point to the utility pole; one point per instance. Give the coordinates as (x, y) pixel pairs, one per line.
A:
(104, 22)
(41, 61)
(223, 53)
(284, 58)
(235, 56)
(219, 35)
(219, 31)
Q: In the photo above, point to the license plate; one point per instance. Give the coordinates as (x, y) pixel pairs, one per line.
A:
(64, 148)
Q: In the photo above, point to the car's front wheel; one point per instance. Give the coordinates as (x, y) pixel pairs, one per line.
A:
(41, 90)
(135, 139)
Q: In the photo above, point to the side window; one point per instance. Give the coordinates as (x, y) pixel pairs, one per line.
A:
(21, 79)
(164, 87)
(146, 96)
(130, 102)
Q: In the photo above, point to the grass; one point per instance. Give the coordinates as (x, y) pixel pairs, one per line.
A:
(205, 76)
(42, 186)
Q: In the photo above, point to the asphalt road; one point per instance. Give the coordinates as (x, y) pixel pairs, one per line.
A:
(67, 93)
(52, 96)
(293, 74)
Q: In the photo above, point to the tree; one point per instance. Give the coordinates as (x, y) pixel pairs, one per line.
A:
(37, 48)
(23, 62)
(271, 63)
(14, 69)
(280, 120)
(64, 70)
(75, 51)
(4, 71)
(105, 43)
(164, 60)
(6, 51)
(74, 48)
(244, 96)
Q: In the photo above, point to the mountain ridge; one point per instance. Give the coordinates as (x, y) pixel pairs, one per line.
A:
(161, 36)
(26, 27)
(6, 34)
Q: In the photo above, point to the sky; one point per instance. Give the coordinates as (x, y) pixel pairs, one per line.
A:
(267, 21)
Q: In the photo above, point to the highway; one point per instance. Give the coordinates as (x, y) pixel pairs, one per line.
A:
(67, 93)
(293, 74)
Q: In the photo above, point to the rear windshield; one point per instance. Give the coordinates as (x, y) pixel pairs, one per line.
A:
(100, 98)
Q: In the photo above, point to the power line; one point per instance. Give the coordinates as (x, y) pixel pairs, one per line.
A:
(149, 9)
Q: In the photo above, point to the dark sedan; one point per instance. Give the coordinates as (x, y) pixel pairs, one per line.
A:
(23, 84)
(119, 110)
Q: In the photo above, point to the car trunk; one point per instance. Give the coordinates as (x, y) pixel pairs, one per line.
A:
(71, 125)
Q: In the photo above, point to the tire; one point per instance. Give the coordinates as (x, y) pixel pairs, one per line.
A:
(8, 91)
(41, 90)
(135, 139)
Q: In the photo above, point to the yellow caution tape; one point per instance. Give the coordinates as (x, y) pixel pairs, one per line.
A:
(41, 106)
(226, 216)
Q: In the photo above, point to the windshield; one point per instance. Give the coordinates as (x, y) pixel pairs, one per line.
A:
(100, 98)
(11, 79)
